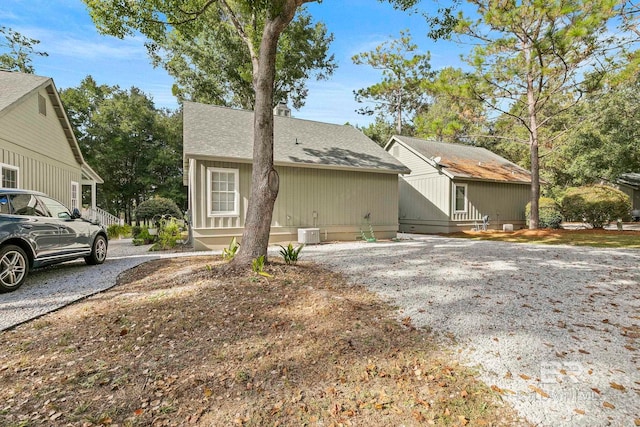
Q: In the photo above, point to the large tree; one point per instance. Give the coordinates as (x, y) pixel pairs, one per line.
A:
(213, 66)
(533, 54)
(135, 147)
(18, 51)
(403, 71)
(259, 23)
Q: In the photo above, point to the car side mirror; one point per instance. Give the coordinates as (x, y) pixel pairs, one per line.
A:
(75, 214)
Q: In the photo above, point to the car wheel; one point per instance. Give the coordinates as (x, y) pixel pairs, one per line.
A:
(14, 268)
(98, 251)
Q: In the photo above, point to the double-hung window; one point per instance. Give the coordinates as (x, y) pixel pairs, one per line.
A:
(9, 176)
(223, 192)
(459, 198)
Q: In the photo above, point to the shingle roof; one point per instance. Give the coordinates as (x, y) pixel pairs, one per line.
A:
(465, 161)
(225, 133)
(630, 179)
(17, 85)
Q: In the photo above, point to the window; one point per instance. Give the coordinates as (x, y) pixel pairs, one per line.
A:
(55, 208)
(75, 193)
(9, 176)
(42, 105)
(459, 198)
(27, 204)
(223, 192)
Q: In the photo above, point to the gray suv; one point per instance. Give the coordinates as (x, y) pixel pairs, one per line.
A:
(36, 230)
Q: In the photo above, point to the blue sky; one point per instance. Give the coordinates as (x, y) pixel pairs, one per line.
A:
(76, 50)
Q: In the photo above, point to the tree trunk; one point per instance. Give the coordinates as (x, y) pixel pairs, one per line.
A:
(535, 159)
(264, 178)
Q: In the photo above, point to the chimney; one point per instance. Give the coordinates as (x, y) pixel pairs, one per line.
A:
(282, 110)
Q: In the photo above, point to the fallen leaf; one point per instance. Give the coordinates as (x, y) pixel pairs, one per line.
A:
(596, 390)
(617, 386)
(138, 411)
(208, 392)
(637, 421)
(583, 351)
(508, 375)
(608, 405)
(463, 420)
(539, 391)
(525, 377)
(579, 411)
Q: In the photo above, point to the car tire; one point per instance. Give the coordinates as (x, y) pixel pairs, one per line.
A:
(98, 251)
(14, 268)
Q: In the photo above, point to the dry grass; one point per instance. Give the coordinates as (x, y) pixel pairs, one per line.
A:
(176, 343)
(592, 237)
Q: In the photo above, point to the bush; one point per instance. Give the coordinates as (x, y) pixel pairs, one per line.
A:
(115, 231)
(144, 237)
(290, 254)
(549, 215)
(135, 231)
(156, 208)
(597, 205)
(168, 234)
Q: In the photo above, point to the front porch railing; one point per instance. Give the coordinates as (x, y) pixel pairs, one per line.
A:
(102, 216)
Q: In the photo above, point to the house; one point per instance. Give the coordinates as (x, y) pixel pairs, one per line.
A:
(629, 183)
(38, 150)
(332, 177)
(452, 187)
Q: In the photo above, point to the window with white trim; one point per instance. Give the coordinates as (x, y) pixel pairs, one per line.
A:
(75, 194)
(10, 176)
(223, 195)
(460, 198)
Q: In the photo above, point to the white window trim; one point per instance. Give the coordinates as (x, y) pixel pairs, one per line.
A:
(4, 166)
(76, 185)
(466, 198)
(236, 208)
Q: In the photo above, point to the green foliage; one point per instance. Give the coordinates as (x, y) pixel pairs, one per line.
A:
(549, 213)
(290, 254)
(156, 208)
(115, 231)
(135, 147)
(379, 131)
(212, 64)
(403, 71)
(144, 237)
(135, 231)
(16, 51)
(597, 205)
(168, 234)
(257, 265)
(229, 253)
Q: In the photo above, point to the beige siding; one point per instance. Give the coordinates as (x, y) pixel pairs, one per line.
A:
(504, 203)
(334, 201)
(426, 199)
(37, 145)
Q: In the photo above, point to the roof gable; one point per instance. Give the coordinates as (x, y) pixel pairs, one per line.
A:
(464, 161)
(15, 87)
(225, 133)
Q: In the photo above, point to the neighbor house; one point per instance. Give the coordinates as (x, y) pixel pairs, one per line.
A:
(451, 187)
(38, 150)
(333, 179)
(630, 184)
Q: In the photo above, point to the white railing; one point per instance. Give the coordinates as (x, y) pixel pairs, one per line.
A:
(102, 216)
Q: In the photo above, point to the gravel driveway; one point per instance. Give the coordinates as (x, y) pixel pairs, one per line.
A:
(50, 288)
(555, 329)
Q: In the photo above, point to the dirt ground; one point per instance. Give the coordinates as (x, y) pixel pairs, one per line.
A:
(177, 342)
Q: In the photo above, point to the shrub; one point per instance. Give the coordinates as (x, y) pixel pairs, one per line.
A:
(229, 253)
(596, 205)
(168, 234)
(144, 238)
(290, 254)
(135, 231)
(115, 231)
(549, 215)
(156, 208)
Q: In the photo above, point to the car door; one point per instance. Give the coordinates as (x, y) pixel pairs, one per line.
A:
(74, 234)
(35, 223)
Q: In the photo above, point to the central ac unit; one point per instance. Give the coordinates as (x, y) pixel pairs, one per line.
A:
(308, 236)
